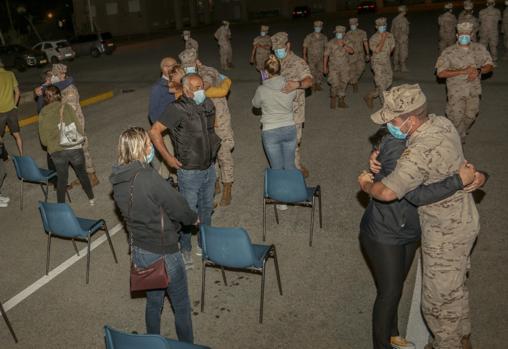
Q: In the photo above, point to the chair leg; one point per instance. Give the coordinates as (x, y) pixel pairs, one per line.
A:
(8, 323)
(264, 219)
(45, 192)
(48, 253)
(313, 209)
(276, 214)
(320, 209)
(21, 196)
(75, 247)
(223, 276)
(106, 230)
(203, 272)
(262, 293)
(68, 194)
(277, 273)
(88, 258)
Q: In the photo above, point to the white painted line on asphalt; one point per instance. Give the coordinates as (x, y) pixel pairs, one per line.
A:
(417, 332)
(11, 303)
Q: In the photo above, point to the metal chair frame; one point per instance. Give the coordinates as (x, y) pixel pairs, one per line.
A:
(272, 253)
(310, 204)
(8, 323)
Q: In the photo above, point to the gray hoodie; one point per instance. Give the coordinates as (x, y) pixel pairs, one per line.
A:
(276, 106)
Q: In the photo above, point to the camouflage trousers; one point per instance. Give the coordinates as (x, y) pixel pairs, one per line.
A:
(225, 155)
(316, 68)
(383, 77)
(400, 53)
(226, 55)
(445, 297)
(260, 58)
(90, 168)
(357, 67)
(490, 41)
(298, 151)
(462, 112)
(338, 80)
(445, 42)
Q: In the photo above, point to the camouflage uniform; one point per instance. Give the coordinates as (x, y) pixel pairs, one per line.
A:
(400, 31)
(296, 69)
(357, 38)
(263, 45)
(380, 62)
(338, 65)
(223, 36)
(447, 23)
(489, 34)
(467, 16)
(315, 44)
(463, 95)
(190, 42)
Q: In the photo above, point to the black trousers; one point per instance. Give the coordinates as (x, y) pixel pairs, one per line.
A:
(75, 158)
(389, 265)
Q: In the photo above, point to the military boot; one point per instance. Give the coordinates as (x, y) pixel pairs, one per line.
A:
(342, 102)
(226, 194)
(218, 188)
(466, 342)
(369, 100)
(333, 102)
(403, 68)
(355, 87)
(93, 179)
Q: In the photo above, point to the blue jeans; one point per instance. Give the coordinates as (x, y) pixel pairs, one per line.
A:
(280, 146)
(197, 187)
(177, 291)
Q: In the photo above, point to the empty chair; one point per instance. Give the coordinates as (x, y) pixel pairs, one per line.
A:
(59, 220)
(7, 322)
(121, 340)
(28, 171)
(231, 248)
(287, 187)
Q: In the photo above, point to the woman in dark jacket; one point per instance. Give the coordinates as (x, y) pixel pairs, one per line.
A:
(153, 212)
(390, 234)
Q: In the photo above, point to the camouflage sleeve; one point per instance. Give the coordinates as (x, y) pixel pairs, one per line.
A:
(373, 41)
(306, 42)
(327, 48)
(304, 71)
(442, 63)
(391, 43)
(255, 41)
(72, 99)
(486, 58)
(364, 36)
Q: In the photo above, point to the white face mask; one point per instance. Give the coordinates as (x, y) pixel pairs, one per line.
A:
(54, 79)
(186, 37)
(190, 70)
(353, 27)
(263, 33)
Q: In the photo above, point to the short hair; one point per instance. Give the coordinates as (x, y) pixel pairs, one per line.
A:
(132, 144)
(177, 69)
(186, 79)
(52, 94)
(165, 59)
(272, 65)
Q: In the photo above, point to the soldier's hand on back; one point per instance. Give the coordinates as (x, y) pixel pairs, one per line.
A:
(291, 86)
(479, 180)
(472, 73)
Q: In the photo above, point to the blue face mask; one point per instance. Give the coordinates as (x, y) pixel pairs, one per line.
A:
(199, 96)
(190, 70)
(317, 29)
(280, 53)
(338, 36)
(381, 29)
(464, 39)
(395, 131)
(263, 33)
(151, 155)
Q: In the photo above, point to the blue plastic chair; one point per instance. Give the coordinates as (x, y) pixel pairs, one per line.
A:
(121, 340)
(287, 187)
(28, 171)
(7, 322)
(60, 220)
(232, 248)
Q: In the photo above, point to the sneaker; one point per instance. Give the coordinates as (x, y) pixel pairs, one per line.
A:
(199, 251)
(91, 202)
(187, 259)
(282, 207)
(401, 343)
(5, 199)
(3, 204)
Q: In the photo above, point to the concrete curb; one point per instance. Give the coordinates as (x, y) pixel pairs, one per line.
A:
(85, 102)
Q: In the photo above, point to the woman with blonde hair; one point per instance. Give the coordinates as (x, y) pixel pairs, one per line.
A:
(153, 213)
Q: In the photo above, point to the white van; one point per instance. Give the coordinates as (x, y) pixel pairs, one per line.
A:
(56, 51)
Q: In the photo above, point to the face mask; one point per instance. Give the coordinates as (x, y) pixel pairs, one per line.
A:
(190, 70)
(280, 53)
(338, 36)
(151, 155)
(54, 79)
(353, 27)
(186, 38)
(381, 29)
(464, 39)
(263, 33)
(395, 131)
(199, 96)
(317, 29)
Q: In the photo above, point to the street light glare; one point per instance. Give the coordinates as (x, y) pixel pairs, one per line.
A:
(50, 15)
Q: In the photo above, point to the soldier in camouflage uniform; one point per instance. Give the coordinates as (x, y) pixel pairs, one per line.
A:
(261, 48)
(360, 44)
(313, 50)
(467, 16)
(70, 95)
(449, 227)
(190, 42)
(336, 66)
(447, 24)
(297, 73)
(223, 37)
(505, 29)
(489, 33)
(381, 44)
(400, 31)
(223, 129)
(462, 66)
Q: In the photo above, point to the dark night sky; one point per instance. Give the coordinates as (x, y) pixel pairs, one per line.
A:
(37, 8)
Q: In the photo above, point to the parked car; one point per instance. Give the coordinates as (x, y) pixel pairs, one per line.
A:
(94, 44)
(20, 57)
(56, 51)
(366, 6)
(301, 11)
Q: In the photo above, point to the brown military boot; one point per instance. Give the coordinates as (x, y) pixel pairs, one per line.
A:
(342, 102)
(355, 87)
(226, 194)
(93, 179)
(218, 188)
(369, 100)
(304, 171)
(333, 102)
(466, 342)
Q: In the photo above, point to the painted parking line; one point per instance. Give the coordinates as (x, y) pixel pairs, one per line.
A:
(417, 331)
(20, 297)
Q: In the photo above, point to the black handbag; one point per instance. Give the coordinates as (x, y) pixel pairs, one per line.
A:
(4, 154)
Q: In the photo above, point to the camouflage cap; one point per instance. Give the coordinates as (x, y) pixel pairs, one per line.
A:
(318, 23)
(468, 5)
(340, 29)
(465, 27)
(491, 2)
(188, 57)
(353, 21)
(448, 5)
(380, 21)
(58, 68)
(265, 28)
(399, 100)
(279, 40)
(402, 8)
(186, 32)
